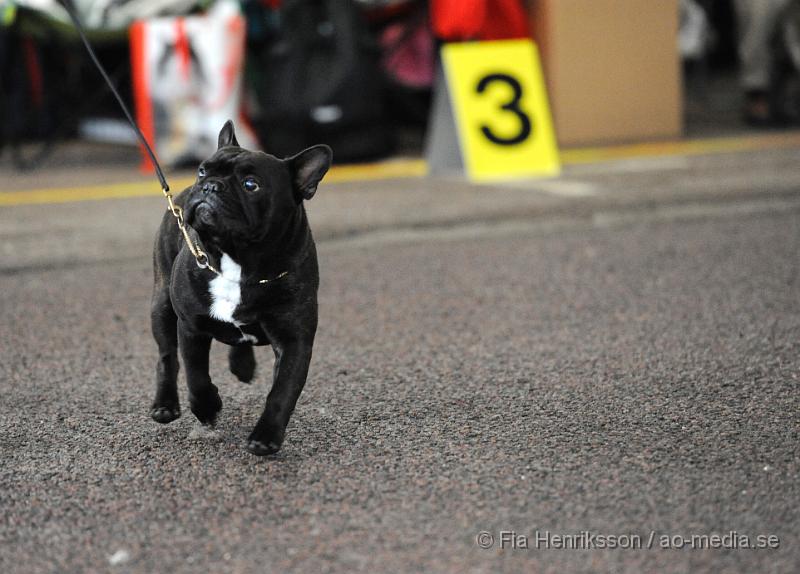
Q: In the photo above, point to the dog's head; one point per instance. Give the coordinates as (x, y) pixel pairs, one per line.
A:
(242, 197)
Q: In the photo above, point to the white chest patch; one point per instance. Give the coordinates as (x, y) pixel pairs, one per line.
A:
(226, 293)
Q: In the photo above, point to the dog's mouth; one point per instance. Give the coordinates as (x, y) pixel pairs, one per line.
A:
(204, 214)
(201, 214)
(214, 221)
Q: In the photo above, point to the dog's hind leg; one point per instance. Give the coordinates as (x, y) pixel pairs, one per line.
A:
(242, 362)
(166, 407)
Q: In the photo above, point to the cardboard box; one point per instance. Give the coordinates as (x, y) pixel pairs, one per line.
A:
(612, 68)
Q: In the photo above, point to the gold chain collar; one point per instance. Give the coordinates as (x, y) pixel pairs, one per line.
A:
(200, 256)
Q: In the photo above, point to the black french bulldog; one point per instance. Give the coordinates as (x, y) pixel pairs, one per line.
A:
(246, 212)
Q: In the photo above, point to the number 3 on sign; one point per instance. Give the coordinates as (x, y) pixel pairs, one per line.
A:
(500, 109)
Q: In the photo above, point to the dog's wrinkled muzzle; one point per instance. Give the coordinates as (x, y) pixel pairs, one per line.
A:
(204, 214)
(199, 212)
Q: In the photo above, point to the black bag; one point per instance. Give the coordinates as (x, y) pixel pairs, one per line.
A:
(316, 80)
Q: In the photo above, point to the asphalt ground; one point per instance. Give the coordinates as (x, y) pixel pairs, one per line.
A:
(612, 353)
(36, 235)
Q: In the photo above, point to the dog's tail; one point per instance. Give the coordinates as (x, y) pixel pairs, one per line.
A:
(242, 362)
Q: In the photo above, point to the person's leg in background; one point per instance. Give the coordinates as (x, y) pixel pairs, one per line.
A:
(757, 20)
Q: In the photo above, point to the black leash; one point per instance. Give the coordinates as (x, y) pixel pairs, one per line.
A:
(200, 256)
(194, 247)
(68, 6)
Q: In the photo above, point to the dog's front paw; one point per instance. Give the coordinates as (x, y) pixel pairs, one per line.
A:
(206, 406)
(165, 413)
(258, 448)
(263, 443)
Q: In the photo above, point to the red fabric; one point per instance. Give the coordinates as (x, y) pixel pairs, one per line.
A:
(454, 20)
(183, 50)
(144, 106)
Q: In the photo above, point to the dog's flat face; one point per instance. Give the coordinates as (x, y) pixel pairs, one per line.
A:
(242, 197)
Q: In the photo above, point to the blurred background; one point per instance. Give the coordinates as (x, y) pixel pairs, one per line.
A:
(615, 349)
(358, 75)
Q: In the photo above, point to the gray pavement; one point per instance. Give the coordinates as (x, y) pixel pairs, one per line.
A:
(613, 352)
(62, 234)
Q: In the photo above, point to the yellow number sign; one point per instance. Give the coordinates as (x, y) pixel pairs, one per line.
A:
(501, 112)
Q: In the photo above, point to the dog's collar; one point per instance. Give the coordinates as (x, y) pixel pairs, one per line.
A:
(204, 261)
(257, 282)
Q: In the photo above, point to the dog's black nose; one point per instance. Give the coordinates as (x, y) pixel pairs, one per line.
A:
(210, 187)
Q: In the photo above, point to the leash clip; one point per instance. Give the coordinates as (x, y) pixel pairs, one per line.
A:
(201, 259)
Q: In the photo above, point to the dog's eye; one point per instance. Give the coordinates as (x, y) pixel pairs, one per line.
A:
(250, 184)
(201, 172)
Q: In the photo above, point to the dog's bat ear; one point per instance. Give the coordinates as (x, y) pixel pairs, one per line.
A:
(227, 136)
(308, 168)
